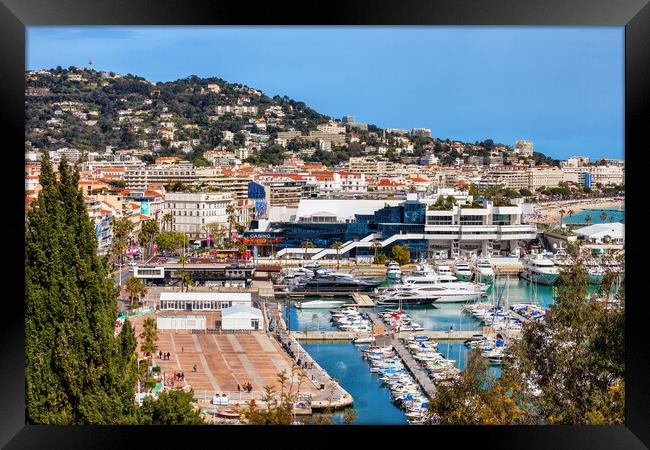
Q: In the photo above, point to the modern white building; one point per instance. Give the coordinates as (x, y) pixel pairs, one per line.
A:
(181, 322)
(192, 211)
(602, 233)
(464, 229)
(202, 301)
(240, 317)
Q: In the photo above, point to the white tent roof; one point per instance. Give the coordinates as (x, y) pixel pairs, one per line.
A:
(343, 209)
(241, 311)
(615, 230)
(207, 296)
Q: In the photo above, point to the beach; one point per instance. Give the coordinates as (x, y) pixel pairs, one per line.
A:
(549, 213)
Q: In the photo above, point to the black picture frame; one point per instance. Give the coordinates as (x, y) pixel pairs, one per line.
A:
(15, 15)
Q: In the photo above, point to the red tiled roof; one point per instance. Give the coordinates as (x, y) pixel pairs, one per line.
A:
(386, 182)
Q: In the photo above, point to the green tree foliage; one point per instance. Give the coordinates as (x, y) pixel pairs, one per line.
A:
(401, 254)
(122, 229)
(171, 241)
(76, 370)
(477, 399)
(380, 258)
(273, 155)
(172, 407)
(148, 233)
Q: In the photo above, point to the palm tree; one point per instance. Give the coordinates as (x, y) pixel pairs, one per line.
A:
(185, 279)
(306, 245)
(232, 220)
(186, 276)
(588, 218)
(603, 216)
(136, 289)
(337, 246)
(562, 212)
(376, 246)
(149, 337)
(611, 218)
(167, 220)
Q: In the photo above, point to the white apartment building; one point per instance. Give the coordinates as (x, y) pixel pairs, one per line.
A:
(331, 127)
(192, 211)
(548, 176)
(331, 184)
(139, 178)
(235, 109)
(606, 175)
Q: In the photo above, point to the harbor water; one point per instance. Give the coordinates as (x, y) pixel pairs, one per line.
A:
(372, 400)
(345, 362)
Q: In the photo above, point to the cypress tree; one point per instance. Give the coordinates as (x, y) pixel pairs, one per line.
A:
(77, 371)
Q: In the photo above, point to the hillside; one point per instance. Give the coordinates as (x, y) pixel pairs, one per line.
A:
(90, 110)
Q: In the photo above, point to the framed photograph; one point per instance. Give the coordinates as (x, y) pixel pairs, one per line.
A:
(378, 218)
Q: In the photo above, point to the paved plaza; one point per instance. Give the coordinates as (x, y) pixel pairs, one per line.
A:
(225, 360)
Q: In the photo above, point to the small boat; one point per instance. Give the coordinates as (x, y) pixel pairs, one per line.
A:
(229, 413)
(363, 340)
(319, 304)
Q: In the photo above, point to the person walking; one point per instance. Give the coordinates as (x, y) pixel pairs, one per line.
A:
(238, 388)
(194, 367)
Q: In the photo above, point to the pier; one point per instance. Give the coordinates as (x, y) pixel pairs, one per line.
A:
(411, 364)
(349, 335)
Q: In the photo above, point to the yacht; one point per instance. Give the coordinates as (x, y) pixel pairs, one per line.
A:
(408, 297)
(484, 271)
(394, 272)
(463, 272)
(293, 273)
(319, 304)
(426, 283)
(445, 271)
(333, 282)
(540, 269)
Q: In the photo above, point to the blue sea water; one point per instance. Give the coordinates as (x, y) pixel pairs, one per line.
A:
(618, 215)
(372, 400)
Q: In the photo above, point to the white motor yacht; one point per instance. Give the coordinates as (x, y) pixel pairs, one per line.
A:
(463, 271)
(425, 283)
(540, 269)
(394, 272)
(484, 271)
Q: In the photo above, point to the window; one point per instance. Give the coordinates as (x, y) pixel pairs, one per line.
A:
(471, 220)
(501, 219)
(439, 220)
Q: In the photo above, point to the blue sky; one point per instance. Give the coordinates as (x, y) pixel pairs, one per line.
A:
(561, 87)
